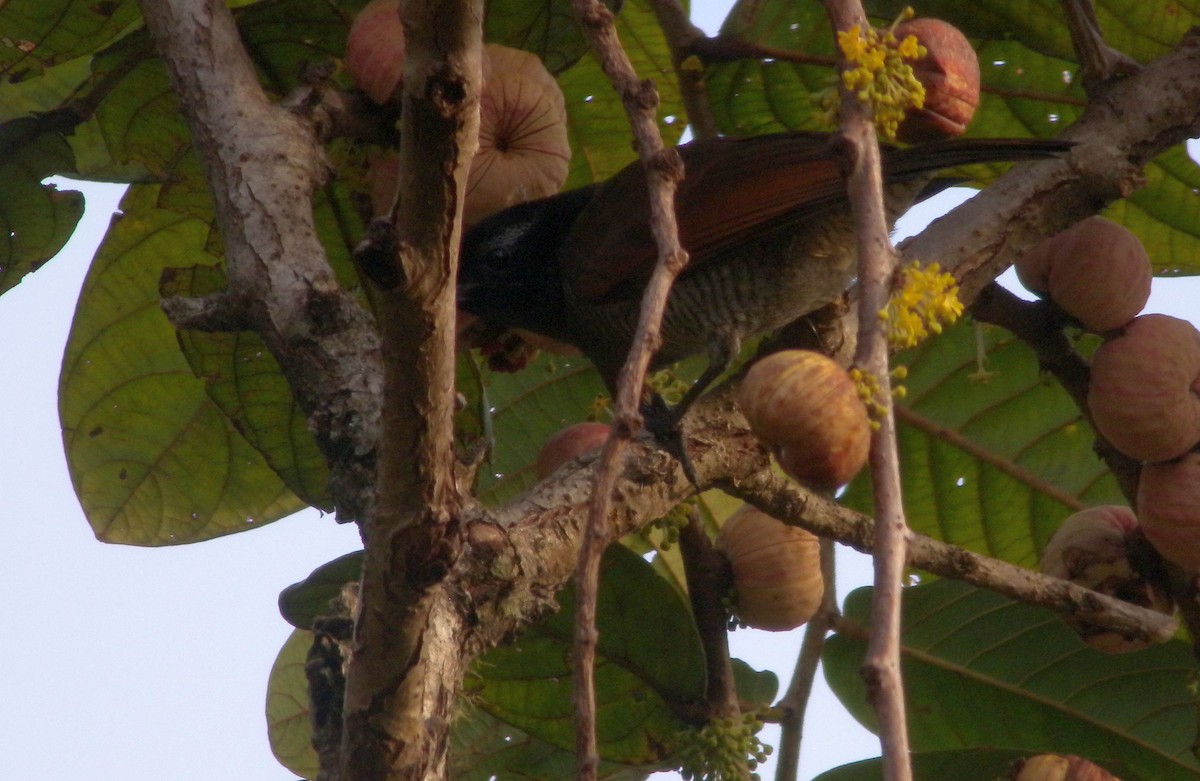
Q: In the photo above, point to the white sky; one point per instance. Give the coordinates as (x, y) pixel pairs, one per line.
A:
(151, 664)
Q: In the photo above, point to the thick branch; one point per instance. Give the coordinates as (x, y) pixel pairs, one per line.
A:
(408, 661)
(1141, 116)
(262, 165)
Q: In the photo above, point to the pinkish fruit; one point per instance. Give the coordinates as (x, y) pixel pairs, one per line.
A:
(1168, 502)
(1144, 393)
(807, 409)
(950, 74)
(524, 152)
(776, 570)
(1091, 549)
(1096, 271)
(571, 442)
(375, 50)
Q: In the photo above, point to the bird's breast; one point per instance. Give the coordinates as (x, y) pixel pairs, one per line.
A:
(740, 293)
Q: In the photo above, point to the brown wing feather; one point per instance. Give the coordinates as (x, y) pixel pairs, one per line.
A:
(731, 188)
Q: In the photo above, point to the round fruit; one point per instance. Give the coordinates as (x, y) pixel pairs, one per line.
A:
(1096, 271)
(571, 442)
(949, 72)
(375, 50)
(1144, 393)
(806, 407)
(1052, 767)
(1168, 502)
(1091, 549)
(524, 152)
(776, 570)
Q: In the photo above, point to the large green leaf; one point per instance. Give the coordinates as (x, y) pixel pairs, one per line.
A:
(289, 729)
(152, 458)
(517, 713)
(983, 671)
(601, 142)
(529, 684)
(37, 219)
(483, 747)
(983, 764)
(992, 461)
(245, 382)
(38, 34)
(545, 27)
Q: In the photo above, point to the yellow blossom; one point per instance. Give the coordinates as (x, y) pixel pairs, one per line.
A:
(925, 301)
(879, 74)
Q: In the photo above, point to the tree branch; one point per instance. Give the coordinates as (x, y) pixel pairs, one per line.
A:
(876, 266)
(794, 703)
(664, 170)
(262, 164)
(408, 661)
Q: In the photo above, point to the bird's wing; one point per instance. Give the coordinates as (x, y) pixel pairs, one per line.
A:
(733, 189)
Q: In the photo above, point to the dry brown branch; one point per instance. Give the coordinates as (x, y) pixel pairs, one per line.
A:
(876, 265)
(1098, 62)
(664, 170)
(794, 703)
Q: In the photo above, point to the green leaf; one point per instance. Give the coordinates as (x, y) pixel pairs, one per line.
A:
(601, 141)
(545, 27)
(482, 747)
(300, 603)
(37, 219)
(245, 382)
(289, 729)
(991, 461)
(527, 408)
(38, 34)
(976, 763)
(757, 687)
(152, 458)
(1143, 30)
(639, 615)
(983, 671)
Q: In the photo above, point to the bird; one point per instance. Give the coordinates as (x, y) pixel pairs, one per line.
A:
(765, 219)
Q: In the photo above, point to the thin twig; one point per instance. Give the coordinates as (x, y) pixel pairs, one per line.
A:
(1098, 62)
(876, 264)
(681, 34)
(783, 499)
(664, 169)
(709, 579)
(794, 703)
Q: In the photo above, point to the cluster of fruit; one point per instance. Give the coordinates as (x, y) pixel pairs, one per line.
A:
(1143, 397)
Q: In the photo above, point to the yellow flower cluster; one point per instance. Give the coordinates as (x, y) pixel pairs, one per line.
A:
(869, 390)
(881, 75)
(926, 300)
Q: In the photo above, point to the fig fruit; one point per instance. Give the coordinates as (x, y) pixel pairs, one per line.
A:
(571, 442)
(524, 152)
(949, 72)
(1168, 503)
(1097, 272)
(375, 50)
(776, 570)
(1091, 549)
(1052, 767)
(805, 406)
(1144, 393)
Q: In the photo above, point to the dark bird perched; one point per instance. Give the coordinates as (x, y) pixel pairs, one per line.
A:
(765, 219)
